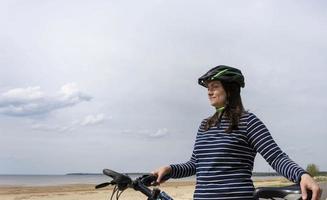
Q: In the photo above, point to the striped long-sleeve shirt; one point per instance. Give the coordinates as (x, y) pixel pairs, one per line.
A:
(223, 162)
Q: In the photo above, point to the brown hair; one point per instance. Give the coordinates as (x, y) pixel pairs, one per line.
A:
(233, 108)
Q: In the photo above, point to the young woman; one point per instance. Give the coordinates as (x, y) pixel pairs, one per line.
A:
(227, 142)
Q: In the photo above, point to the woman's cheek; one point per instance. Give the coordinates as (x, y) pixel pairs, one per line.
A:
(222, 98)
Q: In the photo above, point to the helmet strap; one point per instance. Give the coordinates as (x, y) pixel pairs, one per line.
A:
(220, 110)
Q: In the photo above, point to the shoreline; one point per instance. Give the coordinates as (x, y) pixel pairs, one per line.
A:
(182, 190)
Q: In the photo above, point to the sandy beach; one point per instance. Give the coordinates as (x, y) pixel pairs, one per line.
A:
(177, 190)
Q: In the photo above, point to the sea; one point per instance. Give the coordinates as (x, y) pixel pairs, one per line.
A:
(54, 180)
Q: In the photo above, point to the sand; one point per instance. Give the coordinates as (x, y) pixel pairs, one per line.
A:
(177, 190)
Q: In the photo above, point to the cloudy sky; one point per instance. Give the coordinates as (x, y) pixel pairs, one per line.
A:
(87, 85)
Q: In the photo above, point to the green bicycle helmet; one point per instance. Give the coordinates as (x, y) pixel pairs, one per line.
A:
(223, 73)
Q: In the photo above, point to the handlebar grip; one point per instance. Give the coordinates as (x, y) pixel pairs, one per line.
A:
(111, 173)
(149, 179)
(117, 177)
(166, 177)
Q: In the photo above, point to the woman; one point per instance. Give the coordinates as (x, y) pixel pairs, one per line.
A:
(226, 145)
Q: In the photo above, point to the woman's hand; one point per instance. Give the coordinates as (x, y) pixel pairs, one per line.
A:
(307, 182)
(161, 172)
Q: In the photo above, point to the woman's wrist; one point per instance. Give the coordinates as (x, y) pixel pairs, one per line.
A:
(303, 175)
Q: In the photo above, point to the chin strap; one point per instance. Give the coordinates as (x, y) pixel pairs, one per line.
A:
(220, 110)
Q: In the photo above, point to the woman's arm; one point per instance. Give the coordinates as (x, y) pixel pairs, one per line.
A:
(261, 141)
(184, 169)
(176, 170)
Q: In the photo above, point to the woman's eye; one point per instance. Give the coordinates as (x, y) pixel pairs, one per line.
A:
(214, 86)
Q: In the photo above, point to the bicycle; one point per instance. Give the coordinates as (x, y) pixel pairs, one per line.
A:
(121, 182)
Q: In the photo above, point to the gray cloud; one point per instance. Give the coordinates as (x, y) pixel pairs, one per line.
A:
(32, 101)
(89, 120)
(146, 133)
(93, 119)
(51, 128)
(159, 133)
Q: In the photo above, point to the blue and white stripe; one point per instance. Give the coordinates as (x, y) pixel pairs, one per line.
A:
(223, 162)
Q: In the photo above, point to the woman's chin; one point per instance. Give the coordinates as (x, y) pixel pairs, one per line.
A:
(214, 105)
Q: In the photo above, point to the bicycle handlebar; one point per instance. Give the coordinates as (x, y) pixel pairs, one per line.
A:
(140, 184)
(121, 180)
(150, 179)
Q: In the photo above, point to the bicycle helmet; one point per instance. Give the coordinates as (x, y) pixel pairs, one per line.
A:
(222, 73)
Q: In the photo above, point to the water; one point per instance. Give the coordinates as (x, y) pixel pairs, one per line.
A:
(49, 180)
(52, 180)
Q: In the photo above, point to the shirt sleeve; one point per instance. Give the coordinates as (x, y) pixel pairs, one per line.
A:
(188, 168)
(184, 169)
(261, 141)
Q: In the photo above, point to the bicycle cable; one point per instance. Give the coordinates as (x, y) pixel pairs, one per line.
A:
(116, 192)
(113, 192)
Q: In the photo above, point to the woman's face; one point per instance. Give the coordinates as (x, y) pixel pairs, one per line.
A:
(216, 94)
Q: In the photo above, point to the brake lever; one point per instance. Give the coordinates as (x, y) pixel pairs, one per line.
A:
(105, 184)
(102, 185)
